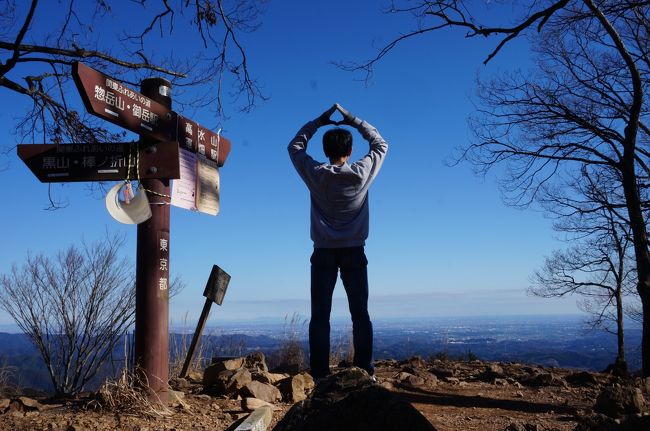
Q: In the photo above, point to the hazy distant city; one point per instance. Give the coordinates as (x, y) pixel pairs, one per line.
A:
(554, 341)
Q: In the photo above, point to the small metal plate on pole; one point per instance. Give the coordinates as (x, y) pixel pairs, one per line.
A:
(217, 285)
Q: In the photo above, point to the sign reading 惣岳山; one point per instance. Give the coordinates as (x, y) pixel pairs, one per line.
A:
(113, 101)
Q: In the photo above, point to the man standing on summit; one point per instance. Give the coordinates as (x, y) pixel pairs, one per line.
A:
(339, 228)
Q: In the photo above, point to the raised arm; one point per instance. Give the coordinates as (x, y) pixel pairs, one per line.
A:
(298, 145)
(368, 165)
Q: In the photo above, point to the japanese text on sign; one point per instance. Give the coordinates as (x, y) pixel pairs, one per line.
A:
(114, 99)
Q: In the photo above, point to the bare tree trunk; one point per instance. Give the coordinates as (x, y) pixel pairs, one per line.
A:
(620, 338)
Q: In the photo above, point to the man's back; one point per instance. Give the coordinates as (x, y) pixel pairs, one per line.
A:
(339, 228)
(339, 194)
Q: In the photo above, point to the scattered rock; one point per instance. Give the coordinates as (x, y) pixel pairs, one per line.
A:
(222, 365)
(581, 379)
(427, 377)
(229, 381)
(309, 382)
(262, 391)
(415, 362)
(4, 404)
(267, 377)
(293, 388)
(597, 422)
(349, 400)
(408, 379)
(617, 401)
(256, 361)
(539, 380)
(441, 373)
(250, 404)
(491, 373)
(179, 384)
(194, 377)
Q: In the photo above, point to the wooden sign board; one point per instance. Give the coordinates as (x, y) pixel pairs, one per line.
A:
(113, 101)
(217, 284)
(99, 162)
(198, 139)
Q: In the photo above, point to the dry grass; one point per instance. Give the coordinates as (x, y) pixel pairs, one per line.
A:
(343, 351)
(7, 377)
(291, 352)
(128, 394)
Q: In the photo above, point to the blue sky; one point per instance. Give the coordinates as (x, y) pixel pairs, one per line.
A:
(441, 241)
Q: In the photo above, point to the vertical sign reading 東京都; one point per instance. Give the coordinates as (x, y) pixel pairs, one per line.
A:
(163, 263)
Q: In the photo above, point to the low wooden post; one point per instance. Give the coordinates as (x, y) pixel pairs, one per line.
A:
(215, 290)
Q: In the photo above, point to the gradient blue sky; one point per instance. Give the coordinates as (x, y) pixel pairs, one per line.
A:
(441, 241)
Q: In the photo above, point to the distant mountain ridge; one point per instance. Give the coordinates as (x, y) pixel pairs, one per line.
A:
(543, 341)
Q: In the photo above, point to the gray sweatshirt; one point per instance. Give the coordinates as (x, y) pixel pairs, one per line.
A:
(339, 194)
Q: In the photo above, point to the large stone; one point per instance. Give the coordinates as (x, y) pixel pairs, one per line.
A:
(539, 380)
(351, 401)
(418, 377)
(491, 373)
(266, 377)
(4, 404)
(195, 377)
(228, 381)
(582, 379)
(309, 381)
(220, 365)
(261, 391)
(617, 401)
(293, 388)
(29, 403)
(256, 361)
(410, 380)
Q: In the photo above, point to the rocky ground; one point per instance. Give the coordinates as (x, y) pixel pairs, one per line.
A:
(451, 395)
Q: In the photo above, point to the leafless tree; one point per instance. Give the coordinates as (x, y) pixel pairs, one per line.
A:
(598, 267)
(75, 308)
(39, 41)
(584, 104)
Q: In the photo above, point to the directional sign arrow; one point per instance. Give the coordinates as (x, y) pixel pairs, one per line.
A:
(113, 101)
(53, 163)
(198, 139)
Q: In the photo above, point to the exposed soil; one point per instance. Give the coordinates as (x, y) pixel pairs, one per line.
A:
(451, 395)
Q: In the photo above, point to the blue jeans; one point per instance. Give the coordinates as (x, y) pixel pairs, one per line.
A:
(325, 263)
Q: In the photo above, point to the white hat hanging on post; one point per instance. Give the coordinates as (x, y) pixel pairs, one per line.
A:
(131, 210)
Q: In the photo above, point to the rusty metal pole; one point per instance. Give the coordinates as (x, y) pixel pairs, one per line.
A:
(152, 270)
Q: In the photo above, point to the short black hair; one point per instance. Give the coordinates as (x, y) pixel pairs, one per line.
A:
(337, 143)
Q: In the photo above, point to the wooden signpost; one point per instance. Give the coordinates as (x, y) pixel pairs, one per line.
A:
(154, 160)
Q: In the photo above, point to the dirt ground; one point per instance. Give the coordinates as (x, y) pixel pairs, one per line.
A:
(463, 396)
